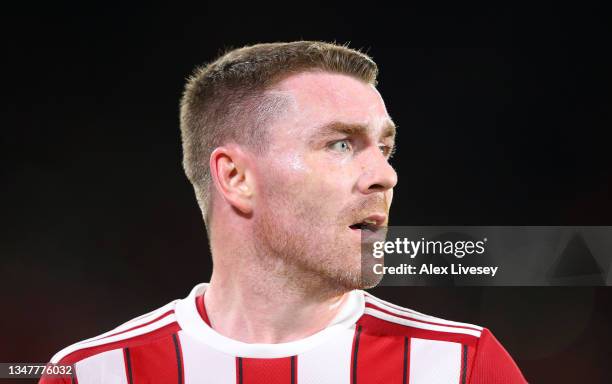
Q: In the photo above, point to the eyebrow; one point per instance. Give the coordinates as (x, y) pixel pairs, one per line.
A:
(335, 127)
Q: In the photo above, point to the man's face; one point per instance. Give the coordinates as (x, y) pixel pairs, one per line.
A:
(326, 170)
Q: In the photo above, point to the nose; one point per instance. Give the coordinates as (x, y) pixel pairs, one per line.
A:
(378, 175)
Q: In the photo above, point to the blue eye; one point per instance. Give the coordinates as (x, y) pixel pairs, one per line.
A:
(341, 146)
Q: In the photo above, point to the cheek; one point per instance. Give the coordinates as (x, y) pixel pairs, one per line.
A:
(287, 172)
(283, 178)
(294, 163)
(305, 182)
(328, 179)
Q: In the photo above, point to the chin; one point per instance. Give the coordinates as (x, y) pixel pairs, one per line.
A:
(350, 280)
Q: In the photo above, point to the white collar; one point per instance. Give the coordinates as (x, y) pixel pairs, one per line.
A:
(192, 324)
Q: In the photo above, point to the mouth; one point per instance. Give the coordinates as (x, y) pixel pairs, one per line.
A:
(371, 223)
(364, 226)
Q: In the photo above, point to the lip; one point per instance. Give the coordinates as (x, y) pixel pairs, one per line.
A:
(375, 232)
(379, 220)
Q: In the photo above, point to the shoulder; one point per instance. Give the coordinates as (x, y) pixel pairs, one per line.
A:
(478, 355)
(150, 327)
(385, 317)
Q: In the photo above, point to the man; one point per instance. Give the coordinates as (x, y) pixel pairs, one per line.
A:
(287, 147)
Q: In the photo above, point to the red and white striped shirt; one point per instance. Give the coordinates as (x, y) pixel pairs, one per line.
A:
(369, 341)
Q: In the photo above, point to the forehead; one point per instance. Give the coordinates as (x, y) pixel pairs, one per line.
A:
(321, 97)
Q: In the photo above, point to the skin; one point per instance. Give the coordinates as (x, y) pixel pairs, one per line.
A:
(284, 256)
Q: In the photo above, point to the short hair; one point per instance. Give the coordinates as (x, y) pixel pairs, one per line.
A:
(226, 100)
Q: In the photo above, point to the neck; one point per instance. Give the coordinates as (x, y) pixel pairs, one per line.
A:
(256, 300)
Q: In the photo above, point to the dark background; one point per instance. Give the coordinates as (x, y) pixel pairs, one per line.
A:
(503, 116)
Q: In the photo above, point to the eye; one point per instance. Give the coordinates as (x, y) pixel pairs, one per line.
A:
(340, 146)
(387, 150)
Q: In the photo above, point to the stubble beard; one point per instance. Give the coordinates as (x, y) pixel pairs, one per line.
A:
(312, 255)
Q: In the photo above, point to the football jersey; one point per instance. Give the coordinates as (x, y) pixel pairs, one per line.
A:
(369, 341)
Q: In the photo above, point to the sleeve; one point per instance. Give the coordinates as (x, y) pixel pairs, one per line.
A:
(493, 364)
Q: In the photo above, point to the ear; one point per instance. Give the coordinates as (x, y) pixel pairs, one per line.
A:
(229, 170)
